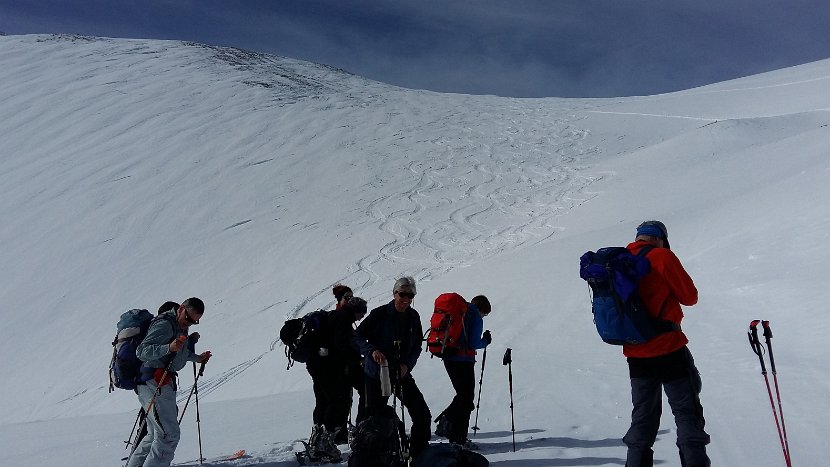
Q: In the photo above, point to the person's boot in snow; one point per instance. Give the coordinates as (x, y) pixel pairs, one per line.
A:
(325, 449)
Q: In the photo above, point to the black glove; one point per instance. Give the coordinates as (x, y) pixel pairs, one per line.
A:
(487, 338)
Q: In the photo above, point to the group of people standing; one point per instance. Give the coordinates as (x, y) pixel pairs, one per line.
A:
(389, 339)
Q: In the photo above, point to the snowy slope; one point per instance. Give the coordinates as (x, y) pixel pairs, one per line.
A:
(133, 172)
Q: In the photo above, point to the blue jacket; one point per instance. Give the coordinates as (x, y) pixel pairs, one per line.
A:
(473, 330)
(381, 329)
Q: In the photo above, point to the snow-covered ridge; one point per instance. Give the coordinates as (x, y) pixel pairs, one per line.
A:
(137, 171)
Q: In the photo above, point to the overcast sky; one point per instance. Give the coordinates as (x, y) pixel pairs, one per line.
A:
(521, 48)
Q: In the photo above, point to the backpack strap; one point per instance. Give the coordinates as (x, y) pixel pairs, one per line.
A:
(168, 358)
(660, 324)
(644, 250)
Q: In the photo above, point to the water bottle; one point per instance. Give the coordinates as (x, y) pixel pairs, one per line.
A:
(385, 382)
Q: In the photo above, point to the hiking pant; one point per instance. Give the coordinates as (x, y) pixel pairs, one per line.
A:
(337, 389)
(677, 375)
(332, 384)
(356, 378)
(410, 396)
(321, 400)
(463, 379)
(159, 446)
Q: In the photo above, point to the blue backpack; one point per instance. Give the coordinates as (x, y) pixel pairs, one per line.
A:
(125, 367)
(613, 274)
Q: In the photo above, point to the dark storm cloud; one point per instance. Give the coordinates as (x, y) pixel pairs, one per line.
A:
(512, 48)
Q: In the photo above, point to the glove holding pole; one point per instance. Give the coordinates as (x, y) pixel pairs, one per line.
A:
(194, 338)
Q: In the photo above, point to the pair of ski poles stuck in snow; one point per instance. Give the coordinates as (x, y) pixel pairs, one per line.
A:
(758, 348)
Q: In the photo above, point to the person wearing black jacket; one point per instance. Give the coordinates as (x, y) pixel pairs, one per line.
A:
(391, 335)
(322, 441)
(341, 368)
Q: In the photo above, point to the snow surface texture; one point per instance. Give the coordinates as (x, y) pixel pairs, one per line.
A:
(134, 172)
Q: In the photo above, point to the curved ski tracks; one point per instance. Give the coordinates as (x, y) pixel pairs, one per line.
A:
(484, 186)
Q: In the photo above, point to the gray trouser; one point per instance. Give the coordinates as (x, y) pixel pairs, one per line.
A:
(678, 376)
(159, 446)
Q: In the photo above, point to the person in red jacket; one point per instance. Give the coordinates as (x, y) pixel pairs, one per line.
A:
(664, 363)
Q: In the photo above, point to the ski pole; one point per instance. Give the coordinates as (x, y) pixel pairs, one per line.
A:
(755, 343)
(198, 416)
(785, 441)
(508, 360)
(193, 389)
(480, 381)
(403, 441)
(133, 432)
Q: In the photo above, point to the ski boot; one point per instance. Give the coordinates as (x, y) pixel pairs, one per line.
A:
(442, 426)
(324, 451)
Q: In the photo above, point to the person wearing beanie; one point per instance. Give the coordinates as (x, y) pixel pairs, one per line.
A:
(342, 294)
(318, 368)
(664, 363)
(335, 376)
(391, 336)
(341, 368)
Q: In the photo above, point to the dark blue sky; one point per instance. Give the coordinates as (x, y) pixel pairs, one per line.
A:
(522, 48)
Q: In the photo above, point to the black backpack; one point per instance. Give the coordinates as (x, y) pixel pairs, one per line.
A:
(379, 441)
(449, 455)
(301, 336)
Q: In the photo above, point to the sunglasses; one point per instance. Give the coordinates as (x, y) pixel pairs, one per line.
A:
(189, 319)
(409, 295)
(346, 297)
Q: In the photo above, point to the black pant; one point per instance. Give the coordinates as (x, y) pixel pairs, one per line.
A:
(356, 378)
(463, 379)
(332, 392)
(318, 386)
(410, 396)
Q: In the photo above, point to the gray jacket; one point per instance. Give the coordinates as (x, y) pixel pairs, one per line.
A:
(154, 350)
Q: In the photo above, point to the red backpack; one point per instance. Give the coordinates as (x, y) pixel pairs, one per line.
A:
(446, 335)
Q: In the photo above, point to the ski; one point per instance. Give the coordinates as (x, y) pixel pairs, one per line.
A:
(226, 458)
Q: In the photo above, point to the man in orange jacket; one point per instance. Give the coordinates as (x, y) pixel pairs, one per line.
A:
(664, 362)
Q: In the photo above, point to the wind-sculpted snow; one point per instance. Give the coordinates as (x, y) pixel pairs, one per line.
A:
(136, 171)
(443, 181)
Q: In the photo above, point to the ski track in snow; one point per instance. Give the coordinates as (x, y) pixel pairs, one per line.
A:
(473, 180)
(463, 178)
(460, 179)
(541, 150)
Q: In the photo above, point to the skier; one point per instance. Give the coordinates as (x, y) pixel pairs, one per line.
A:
(391, 336)
(664, 361)
(454, 421)
(164, 352)
(165, 307)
